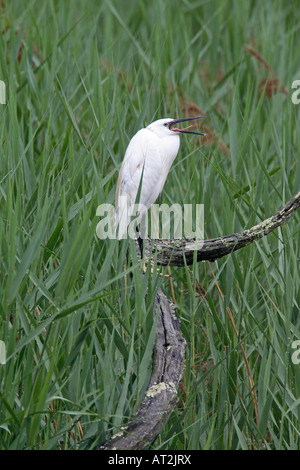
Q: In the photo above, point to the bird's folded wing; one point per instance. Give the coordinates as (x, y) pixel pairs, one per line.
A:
(142, 157)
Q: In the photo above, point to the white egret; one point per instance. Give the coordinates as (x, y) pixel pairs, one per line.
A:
(150, 153)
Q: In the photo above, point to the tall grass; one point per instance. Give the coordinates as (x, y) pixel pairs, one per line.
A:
(81, 79)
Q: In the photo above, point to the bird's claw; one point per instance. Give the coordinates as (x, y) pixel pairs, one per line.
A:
(144, 267)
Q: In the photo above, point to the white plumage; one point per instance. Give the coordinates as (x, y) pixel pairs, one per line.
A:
(150, 153)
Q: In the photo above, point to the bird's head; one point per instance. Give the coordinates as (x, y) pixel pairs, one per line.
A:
(167, 127)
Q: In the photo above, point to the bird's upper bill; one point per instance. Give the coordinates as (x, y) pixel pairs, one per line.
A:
(184, 131)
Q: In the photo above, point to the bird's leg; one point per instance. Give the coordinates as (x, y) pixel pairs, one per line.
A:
(140, 241)
(145, 259)
(141, 245)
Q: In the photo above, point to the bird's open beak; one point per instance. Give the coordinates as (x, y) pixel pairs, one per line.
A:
(184, 131)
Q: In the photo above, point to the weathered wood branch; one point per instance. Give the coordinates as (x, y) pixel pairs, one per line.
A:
(181, 252)
(161, 396)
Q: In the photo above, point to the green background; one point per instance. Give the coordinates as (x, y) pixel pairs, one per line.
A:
(81, 78)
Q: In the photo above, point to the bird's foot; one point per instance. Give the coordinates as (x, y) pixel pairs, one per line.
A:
(144, 267)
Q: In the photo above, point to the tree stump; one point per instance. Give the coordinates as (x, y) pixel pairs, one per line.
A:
(161, 396)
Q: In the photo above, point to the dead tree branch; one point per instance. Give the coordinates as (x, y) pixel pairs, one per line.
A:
(181, 252)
